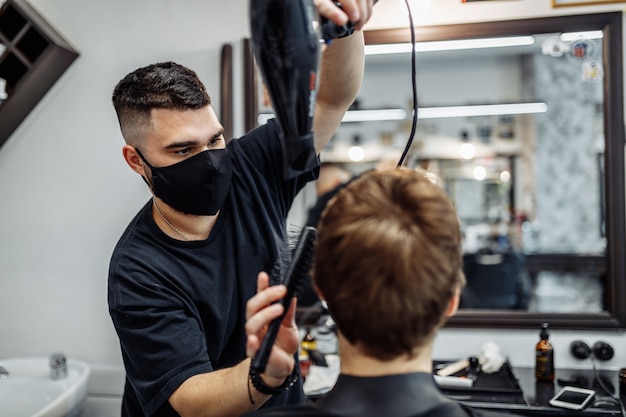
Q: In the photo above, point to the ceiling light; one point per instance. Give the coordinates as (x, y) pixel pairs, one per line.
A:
(480, 173)
(467, 150)
(356, 115)
(374, 115)
(481, 110)
(571, 36)
(433, 112)
(452, 45)
(356, 153)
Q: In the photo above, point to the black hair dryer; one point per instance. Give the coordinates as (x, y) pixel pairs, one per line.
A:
(286, 46)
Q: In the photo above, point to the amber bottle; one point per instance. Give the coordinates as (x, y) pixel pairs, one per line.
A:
(308, 344)
(544, 356)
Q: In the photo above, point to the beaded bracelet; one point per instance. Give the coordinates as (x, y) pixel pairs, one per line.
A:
(263, 388)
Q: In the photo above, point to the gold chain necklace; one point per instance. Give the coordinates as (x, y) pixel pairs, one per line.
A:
(168, 223)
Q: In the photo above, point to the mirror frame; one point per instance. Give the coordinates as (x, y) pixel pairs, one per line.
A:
(615, 291)
(614, 317)
(226, 90)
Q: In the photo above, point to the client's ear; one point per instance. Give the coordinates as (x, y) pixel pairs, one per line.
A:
(453, 304)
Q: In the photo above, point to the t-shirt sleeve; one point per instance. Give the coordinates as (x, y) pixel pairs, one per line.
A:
(162, 345)
(260, 154)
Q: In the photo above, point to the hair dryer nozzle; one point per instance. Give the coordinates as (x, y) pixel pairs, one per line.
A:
(286, 47)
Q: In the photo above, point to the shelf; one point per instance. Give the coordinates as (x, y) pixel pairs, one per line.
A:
(34, 58)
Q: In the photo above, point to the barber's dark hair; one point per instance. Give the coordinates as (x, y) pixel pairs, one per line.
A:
(164, 85)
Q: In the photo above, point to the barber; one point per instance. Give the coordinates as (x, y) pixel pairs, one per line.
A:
(185, 267)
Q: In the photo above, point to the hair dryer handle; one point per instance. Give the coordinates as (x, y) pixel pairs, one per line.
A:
(286, 48)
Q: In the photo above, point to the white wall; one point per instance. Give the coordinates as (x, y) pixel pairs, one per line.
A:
(66, 194)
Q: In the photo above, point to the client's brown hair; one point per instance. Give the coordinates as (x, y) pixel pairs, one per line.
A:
(388, 260)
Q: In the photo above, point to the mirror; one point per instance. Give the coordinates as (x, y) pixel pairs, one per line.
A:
(548, 187)
(542, 191)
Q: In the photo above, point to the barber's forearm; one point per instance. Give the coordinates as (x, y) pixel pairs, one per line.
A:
(341, 74)
(216, 394)
(341, 71)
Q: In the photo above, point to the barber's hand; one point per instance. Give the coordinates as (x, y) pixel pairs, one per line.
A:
(355, 11)
(260, 311)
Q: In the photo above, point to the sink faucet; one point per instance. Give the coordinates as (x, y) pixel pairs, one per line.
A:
(58, 366)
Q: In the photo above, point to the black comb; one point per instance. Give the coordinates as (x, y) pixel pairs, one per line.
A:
(298, 272)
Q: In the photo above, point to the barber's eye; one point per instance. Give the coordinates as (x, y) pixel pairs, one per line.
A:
(216, 139)
(184, 151)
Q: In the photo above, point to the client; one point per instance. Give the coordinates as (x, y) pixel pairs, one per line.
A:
(388, 263)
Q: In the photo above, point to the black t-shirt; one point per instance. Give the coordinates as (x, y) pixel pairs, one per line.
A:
(179, 307)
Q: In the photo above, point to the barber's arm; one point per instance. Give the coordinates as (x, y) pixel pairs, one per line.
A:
(341, 68)
(218, 393)
(229, 392)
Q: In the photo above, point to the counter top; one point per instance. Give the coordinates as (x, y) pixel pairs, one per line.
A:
(511, 390)
(515, 390)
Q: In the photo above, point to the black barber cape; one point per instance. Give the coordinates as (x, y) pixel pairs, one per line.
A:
(404, 395)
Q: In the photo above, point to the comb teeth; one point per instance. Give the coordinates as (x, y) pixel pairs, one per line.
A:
(298, 271)
(302, 284)
(302, 249)
(302, 259)
(286, 253)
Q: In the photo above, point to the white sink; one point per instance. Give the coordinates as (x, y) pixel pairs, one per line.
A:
(28, 391)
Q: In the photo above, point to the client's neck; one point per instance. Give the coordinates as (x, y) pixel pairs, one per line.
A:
(354, 362)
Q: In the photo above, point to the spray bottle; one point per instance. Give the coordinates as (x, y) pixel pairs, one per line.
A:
(544, 357)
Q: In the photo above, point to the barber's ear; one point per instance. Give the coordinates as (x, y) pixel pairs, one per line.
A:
(133, 160)
(453, 304)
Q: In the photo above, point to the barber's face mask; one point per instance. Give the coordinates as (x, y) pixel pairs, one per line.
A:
(197, 185)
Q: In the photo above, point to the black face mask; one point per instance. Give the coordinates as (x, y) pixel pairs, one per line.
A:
(197, 185)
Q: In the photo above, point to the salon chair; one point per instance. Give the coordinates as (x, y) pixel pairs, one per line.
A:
(495, 281)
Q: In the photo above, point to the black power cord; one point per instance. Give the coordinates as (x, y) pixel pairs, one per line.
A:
(414, 89)
(613, 397)
(330, 31)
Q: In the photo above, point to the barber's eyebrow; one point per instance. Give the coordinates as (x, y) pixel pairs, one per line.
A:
(218, 134)
(183, 144)
(186, 143)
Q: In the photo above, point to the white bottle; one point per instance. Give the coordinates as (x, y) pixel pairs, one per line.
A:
(325, 335)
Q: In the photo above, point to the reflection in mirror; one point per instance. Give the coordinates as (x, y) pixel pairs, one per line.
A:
(528, 181)
(528, 141)
(499, 166)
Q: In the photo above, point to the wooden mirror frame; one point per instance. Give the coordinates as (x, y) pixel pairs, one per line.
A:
(614, 316)
(226, 90)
